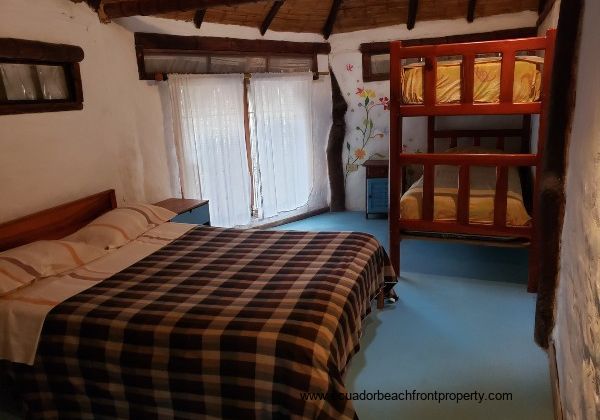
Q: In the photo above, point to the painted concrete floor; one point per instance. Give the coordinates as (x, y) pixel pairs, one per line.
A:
(464, 323)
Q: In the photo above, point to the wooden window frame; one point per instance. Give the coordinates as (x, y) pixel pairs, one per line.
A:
(150, 43)
(20, 51)
(370, 49)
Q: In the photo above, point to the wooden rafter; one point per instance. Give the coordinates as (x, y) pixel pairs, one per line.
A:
(199, 17)
(413, 5)
(270, 16)
(471, 10)
(125, 8)
(328, 28)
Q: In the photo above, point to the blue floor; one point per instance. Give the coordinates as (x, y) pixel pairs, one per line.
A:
(464, 323)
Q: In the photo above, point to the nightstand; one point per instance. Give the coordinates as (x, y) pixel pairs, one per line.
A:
(377, 187)
(188, 210)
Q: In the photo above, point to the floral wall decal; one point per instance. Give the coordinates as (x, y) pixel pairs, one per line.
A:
(366, 131)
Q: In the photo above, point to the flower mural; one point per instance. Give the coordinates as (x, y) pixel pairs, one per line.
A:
(366, 132)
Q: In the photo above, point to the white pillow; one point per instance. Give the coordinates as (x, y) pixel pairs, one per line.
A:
(21, 266)
(122, 225)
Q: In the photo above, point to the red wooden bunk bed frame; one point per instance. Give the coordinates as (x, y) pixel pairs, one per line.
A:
(398, 160)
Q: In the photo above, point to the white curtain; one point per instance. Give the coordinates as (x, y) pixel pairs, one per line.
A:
(208, 116)
(281, 134)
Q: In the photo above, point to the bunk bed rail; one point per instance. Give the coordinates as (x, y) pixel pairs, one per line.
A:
(507, 49)
(464, 161)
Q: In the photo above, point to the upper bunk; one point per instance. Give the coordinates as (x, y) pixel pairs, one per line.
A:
(476, 78)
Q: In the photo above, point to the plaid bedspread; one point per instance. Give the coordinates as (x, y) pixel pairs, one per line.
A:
(220, 323)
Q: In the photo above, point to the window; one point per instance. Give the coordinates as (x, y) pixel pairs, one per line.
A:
(159, 55)
(39, 77)
(247, 149)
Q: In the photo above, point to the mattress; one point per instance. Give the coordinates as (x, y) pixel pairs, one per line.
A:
(482, 192)
(218, 323)
(486, 81)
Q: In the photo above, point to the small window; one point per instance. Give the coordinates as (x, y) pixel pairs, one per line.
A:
(30, 82)
(380, 64)
(181, 64)
(159, 54)
(282, 64)
(39, 77)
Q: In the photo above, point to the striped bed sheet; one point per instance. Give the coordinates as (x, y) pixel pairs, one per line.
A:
(219, 323)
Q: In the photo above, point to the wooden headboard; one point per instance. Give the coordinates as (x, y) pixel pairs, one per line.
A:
(56, 222)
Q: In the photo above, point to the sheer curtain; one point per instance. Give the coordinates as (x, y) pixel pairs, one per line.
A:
(281, 135)
(208, 116)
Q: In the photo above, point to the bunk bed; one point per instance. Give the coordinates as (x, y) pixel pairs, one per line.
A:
(454, 198)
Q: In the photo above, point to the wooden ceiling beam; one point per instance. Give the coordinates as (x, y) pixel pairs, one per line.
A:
(328, 28)
(270, 16)
(126, 8)
(471, 10)
(199, 17)
(413, 5)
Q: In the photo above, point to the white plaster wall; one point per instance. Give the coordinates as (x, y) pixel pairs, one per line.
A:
(116, 141)
(346, 61)
(123, 137)
(577, 332)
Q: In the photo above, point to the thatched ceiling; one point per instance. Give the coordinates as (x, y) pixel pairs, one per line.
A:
(317, 16)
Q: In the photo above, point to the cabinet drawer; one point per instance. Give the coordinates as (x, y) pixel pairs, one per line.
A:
(377, 171)
(198, 216)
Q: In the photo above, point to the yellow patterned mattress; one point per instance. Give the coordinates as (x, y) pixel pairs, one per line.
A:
(526, 88)
(481, 202)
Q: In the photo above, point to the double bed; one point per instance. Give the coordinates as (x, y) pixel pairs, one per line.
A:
(187, 321)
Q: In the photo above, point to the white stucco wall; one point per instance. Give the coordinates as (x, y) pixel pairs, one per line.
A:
(346, 62)
(116, 141)
(123, 137)
(577, 332)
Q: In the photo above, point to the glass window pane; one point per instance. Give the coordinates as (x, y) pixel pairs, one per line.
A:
(53, 82)
(19, 81)
(227, 64)
(380, 64)
(180, 64)
(290, 64)
(256, 65)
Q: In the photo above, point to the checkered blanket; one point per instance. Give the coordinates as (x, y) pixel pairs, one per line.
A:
(220, 323)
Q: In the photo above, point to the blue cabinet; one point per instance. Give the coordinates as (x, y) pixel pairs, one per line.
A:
(377, 186)
(198, 216)
(377, 196)
(187, 210)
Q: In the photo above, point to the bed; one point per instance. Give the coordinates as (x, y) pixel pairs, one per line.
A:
(487, 198)
(487, 76)
(187, 321)
(482, 193)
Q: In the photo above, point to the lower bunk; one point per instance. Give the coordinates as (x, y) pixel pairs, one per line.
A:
(468, 193)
